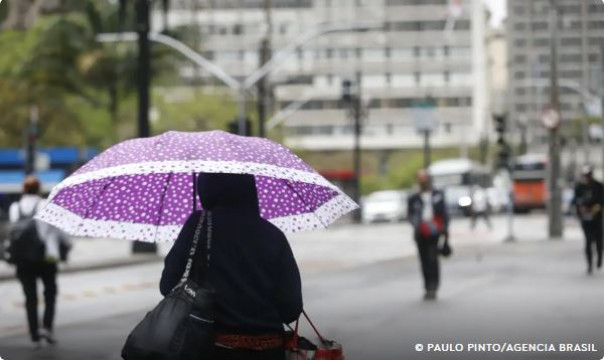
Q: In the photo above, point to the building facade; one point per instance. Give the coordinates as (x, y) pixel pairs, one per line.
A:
(424, 49)
(579, 39)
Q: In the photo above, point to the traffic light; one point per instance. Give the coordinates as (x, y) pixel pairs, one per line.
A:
(347, 92)
(504, 149)
(233, 127)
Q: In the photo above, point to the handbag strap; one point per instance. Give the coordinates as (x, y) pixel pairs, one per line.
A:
(313, 326)
(192, 249)
(295, 330)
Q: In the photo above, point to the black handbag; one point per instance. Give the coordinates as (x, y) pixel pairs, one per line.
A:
(181, 326)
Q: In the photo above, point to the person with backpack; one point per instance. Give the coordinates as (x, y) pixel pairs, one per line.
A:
(35, 248)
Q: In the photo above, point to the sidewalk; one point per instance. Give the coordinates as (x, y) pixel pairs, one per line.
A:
(316, 251)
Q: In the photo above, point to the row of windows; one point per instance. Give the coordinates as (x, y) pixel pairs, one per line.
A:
(242, 4)
(545, 59)
(571, 41)
(416, 79)
(369, 54)
(286, 27)
(563, 9)
(564, 74)
(539, 107)
(383, 103)
(416, 2)
(564, 25)
(425, 25)
(385, 129)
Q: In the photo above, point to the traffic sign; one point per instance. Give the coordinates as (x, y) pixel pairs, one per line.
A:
(550, 118)
(423, 112)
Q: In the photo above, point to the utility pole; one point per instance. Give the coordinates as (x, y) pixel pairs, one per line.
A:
(503, 163)
(555, 223)
(144, 80)
(144, 65)
(31, 137)
(352, 97)
(264, 56)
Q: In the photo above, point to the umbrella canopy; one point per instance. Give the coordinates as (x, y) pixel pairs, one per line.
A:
(141, 189)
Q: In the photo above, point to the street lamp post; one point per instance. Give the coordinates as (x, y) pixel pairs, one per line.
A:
(241, 87)
(353, 98)
(555, 227)
(144, 81)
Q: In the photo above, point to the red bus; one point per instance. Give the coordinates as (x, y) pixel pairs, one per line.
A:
(529, 182)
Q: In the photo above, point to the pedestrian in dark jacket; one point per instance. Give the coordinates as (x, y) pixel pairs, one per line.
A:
(588, 200)
(428, 214)
(252, 270)
(40, 263)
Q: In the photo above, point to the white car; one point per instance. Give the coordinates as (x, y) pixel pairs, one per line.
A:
(384, 206)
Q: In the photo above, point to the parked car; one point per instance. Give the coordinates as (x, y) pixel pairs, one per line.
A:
(384, 206)
(458, 200)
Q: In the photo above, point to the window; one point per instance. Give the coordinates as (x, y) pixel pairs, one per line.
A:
(519, 10)
(521, 107)
(595, 25)
(373, 54)
(461, 79)
(520, 58)
(403, 53)
(403, 80)
(432, 25)
(237, 29)
(520, 75)
(570, 74)
(571, 41)
(540, 42)
(595, 41)
(520, 26)
(462, 25)
(460, 51)
(446, 77)
(520, 42)
(565, 9)
(387, 52)
(374, 81)
(388, 78)
(538, 26)
(432, 79)
(570, 57)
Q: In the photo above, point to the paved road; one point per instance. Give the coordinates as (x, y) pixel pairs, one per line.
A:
(530, 292)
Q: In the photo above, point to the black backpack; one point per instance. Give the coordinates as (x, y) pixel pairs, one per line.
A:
(24, 243)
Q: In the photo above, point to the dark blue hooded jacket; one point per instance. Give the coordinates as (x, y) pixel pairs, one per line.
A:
(252, 268)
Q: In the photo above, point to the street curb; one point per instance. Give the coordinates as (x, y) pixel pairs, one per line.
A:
(114, 263)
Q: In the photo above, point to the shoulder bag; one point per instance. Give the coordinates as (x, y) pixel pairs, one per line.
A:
(181, 326)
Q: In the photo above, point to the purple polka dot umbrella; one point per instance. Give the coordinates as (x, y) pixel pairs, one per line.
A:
(141, 189)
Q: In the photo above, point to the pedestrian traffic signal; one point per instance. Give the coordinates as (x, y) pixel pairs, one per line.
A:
(504, 150)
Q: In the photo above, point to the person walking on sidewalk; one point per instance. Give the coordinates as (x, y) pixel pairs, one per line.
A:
(253, 273)
(428, 214)
(35, 254)
(588, 200)
(479, 206)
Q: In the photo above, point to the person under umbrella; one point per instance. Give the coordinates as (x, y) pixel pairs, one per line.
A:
(253, 272)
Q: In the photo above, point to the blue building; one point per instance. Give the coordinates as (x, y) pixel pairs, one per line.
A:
(58, 162)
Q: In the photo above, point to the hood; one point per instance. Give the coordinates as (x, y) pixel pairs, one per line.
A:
(217, 190)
